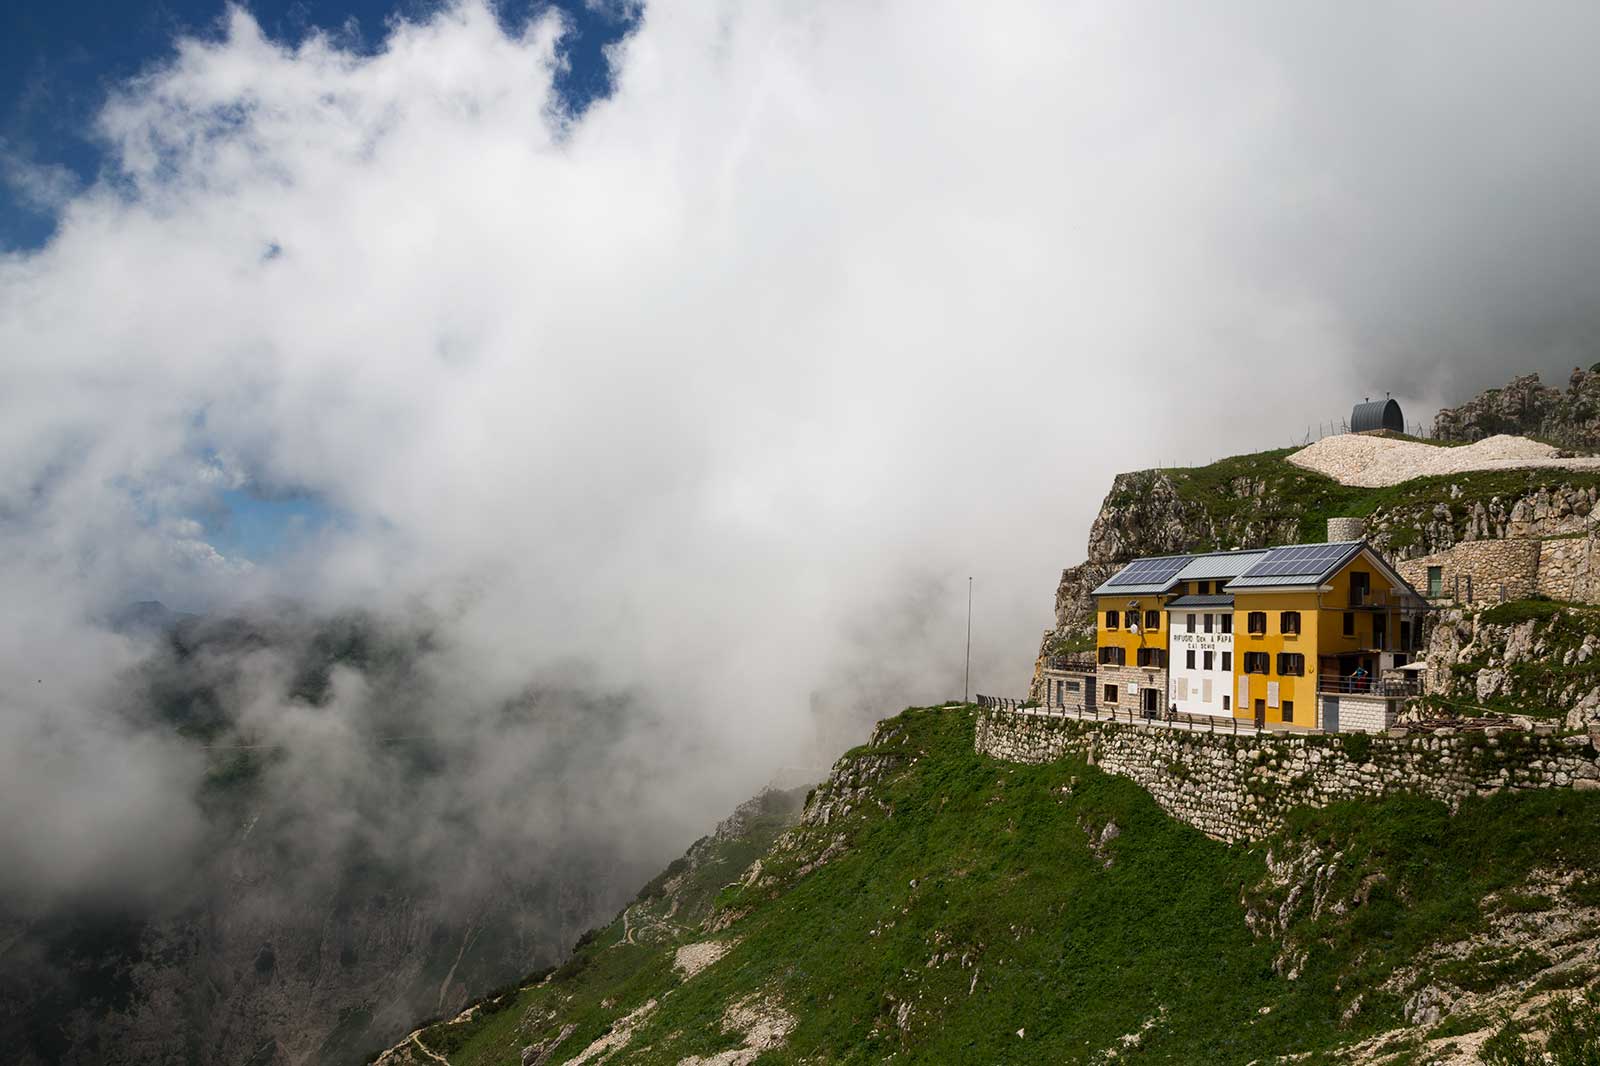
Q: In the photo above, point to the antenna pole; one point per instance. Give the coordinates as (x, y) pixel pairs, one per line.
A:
(966, 683)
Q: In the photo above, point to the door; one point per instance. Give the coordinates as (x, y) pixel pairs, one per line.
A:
(1261, 714)
(1089, 694)
(1330, 714)
(1148, 696)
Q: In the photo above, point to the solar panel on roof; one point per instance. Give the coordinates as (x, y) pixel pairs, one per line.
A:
(1301, 559)
(1148, 571)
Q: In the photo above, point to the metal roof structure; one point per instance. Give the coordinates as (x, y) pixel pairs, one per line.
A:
(1297, 564)
(1210, 600)
(1214, 565)
(1287, 566)
(1143, 577)
(1377, 414)
(1158, 574)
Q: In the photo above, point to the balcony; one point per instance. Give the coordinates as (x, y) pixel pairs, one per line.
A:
(1386, 688)
(1362, 600)
(1072, 664)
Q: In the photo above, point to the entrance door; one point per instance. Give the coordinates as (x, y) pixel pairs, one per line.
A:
(1148, 698)
(1089, 694)
(1261, 714)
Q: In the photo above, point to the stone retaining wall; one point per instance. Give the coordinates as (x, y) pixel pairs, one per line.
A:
(1239, 788)
(1567, 570)
(1490, 564)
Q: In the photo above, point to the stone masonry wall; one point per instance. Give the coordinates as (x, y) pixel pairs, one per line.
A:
(1066, 689)
(1129, 680)
(1567, 570)
(1489, 563)
(1240, 788)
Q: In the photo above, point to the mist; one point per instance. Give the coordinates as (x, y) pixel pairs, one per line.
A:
(661, 440)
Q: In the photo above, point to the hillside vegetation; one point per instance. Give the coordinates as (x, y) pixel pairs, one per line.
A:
(933, 905)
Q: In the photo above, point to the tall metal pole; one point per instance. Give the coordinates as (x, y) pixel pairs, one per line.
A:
(966, 683)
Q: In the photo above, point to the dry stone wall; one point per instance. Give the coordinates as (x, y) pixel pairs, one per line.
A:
(1569, 569)
(1484, 566)
(1240, 788)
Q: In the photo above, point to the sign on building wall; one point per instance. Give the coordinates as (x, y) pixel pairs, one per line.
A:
(1272, 693)
(1244, 690)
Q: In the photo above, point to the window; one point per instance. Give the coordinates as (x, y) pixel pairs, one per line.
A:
(1291, 664)
(1060, 694)
(1227, 660)
(1210, 659)
(1153, 657)
(1152, 621)
(1435, 582)
(1188, 659)
(1111, 619)
(1112, 656)
(1072, 686)
(1208, 621)
(1257, 622)
(1257, 662)
(1227, 703)
(1289, 622)
(1227, 623)
(1189, 624)
(1111, 694)
(1360, 587)
(1379, 631)
(1288, 710)
(1205, 588)
(1349, 624)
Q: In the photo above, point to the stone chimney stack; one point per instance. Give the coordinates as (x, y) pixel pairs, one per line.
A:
(1346, 529)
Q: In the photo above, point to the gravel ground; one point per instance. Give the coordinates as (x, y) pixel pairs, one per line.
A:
(1373, 462)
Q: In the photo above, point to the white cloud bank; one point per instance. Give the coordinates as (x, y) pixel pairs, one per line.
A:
(726, 386)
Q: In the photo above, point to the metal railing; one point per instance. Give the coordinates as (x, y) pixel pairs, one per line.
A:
(1195, 723)
(1080, 664)
(1388, 688)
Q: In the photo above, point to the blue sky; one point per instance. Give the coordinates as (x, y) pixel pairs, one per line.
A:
(58, 62)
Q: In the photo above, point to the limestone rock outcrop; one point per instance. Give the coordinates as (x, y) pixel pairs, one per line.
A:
(1528, 407)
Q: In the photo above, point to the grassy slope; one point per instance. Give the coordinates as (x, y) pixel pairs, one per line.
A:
(978, 892)
(1292, 493)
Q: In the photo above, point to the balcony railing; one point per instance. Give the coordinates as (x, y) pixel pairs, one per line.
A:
(1388, 688)
(1377, 601)
(1076, 664)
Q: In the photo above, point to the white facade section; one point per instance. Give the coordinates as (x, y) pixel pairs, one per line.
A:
(1198, 682)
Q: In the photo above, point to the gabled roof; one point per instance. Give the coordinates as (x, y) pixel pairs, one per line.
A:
(1215, 565)
(1283, 567)
(1160, 573)
(1303, 566)
(1298, 565)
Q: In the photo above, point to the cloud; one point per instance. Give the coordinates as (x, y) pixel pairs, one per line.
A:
(715, 395)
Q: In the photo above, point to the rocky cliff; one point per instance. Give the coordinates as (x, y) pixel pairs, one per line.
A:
(1257, 500)
(1526, 407)
(1535, 659)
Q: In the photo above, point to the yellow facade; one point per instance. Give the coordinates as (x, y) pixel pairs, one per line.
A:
(1301, 691)
(1338, 634)
(1122, 637)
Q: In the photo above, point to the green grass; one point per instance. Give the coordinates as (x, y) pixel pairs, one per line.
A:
(1514, 612)
(978, 893)
(1250, 500)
